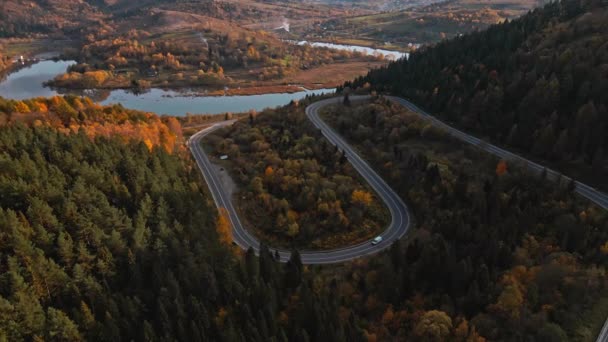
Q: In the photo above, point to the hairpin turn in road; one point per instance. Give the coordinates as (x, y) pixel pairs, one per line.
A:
(400, 217)
(400, 221)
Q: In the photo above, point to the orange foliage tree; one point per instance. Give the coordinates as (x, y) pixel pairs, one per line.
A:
(501, 168)
(362, 197)
(72, 114)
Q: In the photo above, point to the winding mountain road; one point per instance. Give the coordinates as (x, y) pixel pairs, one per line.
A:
(400, 221)
(400, 217)
(594, 195)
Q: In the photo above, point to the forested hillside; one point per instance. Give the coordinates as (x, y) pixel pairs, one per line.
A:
(296, 189)
(103, 239)
(23, 18)
(496, 252)
(73, 114)
(536, 84)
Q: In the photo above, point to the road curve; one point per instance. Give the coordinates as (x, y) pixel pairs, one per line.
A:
(603, 336)
(594, 195)
(400, 217)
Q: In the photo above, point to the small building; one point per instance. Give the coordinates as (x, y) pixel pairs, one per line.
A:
(223, 157)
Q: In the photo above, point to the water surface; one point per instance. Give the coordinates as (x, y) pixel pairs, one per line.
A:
(393, 55)
(28, 82)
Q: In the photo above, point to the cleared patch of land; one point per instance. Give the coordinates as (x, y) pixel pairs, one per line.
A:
(332, 74)
(420, 25)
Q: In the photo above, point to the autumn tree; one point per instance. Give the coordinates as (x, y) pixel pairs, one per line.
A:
(434, 326)
(223, 227)
(501, 168)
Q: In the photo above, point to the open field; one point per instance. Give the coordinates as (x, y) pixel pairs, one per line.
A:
(332, 74)
(421, 25)
(26, 47)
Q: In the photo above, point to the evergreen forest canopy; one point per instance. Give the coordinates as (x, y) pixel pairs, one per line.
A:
(536, 84)
(104, 239)
(107, 232)
(107, 239)
(496, 252)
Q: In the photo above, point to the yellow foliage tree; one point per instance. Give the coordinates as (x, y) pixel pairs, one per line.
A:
(361, 197)
(510, 301)
(434, 325)
(149, 144)
(95, 78)
(223, 227)
(21, 107)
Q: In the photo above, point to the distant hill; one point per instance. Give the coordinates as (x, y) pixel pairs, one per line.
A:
(20, 17)
(27, 18)
(536, 84)
(422, 22)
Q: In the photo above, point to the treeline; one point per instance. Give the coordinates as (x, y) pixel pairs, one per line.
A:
(103, 240)
(296, 189)
(72, 114)
(496, 253)
(536, 84)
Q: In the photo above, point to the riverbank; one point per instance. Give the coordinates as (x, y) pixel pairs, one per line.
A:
(28, 83)
(181, 99)
(236, 82)
(368, 43)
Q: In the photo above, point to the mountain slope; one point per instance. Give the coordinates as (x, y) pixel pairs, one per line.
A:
(104, 237)
(21, 18)
(536, 84)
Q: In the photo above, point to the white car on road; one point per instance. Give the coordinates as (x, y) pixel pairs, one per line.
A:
(377, 240)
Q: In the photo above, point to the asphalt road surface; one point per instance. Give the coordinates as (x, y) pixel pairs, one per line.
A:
(400, 221)
(603, 336)
(594, 195)
(400, 217)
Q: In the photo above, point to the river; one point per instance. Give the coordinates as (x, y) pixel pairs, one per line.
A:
(388, 54)
(28, 83)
